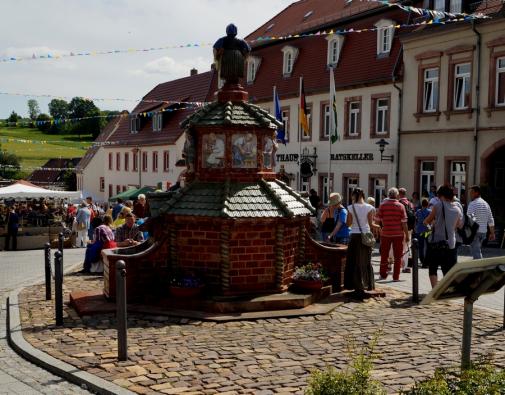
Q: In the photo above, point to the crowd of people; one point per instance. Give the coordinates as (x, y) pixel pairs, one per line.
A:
(436, 221)
(97, 229)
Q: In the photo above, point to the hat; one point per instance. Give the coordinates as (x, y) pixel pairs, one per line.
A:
(335, 198)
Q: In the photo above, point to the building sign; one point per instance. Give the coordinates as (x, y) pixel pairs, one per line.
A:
(352, 156)
(294, 157)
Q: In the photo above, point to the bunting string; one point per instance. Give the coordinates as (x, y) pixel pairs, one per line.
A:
(169, 102)
(60, 121)
(436, 17)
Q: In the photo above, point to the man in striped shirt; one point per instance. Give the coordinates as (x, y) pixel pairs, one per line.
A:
(480, 211)
(393, 217)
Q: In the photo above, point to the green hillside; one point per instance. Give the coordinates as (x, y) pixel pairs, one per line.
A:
(42, 147)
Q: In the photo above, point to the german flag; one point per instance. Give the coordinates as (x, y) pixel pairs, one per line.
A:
(304, 122)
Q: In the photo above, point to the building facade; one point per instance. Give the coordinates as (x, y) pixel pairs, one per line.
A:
(453, 124)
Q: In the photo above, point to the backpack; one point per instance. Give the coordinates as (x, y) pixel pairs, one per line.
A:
(469, 230)
(411, 216)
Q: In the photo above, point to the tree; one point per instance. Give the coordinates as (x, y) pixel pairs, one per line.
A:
(33, 109)
(13, 118)
(70, 180)
(58, 108)
(43, 123)
(9, 164)
(83, 108)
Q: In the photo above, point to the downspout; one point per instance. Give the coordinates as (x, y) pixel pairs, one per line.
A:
(400, 108)
(477, 107)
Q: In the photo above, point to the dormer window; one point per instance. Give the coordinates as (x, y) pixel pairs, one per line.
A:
(157, 121)
(385, 31)
(253, 64)
(335, 43)
(290, 53)
(134, 124)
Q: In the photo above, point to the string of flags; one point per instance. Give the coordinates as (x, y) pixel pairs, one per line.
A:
(60, 121)
(169, 102)
(436, 17)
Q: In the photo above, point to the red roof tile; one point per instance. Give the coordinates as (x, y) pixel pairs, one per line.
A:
(297, 18)
(358, 63)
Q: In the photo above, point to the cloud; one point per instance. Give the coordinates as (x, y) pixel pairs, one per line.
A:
(174, 68)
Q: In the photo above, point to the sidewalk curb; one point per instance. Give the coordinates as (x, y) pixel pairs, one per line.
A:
(62, 369)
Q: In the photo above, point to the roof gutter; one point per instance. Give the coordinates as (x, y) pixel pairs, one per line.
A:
(477, 107)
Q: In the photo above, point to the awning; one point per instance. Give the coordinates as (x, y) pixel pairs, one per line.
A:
(132, 194)
(26, 190)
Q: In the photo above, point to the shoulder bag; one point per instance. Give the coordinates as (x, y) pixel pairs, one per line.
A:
(367, 238)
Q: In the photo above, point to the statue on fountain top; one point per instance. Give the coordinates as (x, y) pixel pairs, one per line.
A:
(230, 54)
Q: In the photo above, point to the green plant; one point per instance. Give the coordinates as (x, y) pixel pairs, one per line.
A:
(355, 380)
(310, 271)
(482, 378)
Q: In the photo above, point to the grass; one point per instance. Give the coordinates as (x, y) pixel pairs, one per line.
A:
(35, 154)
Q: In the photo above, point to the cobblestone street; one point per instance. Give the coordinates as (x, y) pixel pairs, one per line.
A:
(18, 376)
(170, 355)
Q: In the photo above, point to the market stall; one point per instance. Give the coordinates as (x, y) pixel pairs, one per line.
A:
(42, 213)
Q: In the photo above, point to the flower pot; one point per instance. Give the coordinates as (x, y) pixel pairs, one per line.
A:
(185, 292)
(309, 285)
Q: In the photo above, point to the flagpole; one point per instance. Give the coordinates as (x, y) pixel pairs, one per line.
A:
(330, 108)
(300, 136)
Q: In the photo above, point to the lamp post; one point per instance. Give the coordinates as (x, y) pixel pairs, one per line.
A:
(382, 145)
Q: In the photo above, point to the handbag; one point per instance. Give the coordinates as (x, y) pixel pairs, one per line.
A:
(367, 238)
(81, 226)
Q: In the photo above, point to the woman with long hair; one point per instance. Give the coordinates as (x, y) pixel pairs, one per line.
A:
(103, 239)
(359, 274)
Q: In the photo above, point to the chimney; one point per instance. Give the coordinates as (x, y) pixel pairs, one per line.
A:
(193, 72)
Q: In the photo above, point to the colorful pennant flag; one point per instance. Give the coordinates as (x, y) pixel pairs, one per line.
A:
(303, 119)
(281, 133)
(333, 109)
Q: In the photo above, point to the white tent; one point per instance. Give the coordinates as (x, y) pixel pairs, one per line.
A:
(24, 189)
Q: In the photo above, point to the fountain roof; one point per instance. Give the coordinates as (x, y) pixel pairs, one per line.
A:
(262, 199)
(231, 114)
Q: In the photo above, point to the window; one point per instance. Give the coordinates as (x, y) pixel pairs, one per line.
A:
(157, 121)
(382, 116)
(455, 6)
(110, 161)
(500, 82)
(285, 123)
(144, 161)
(324, 188)
(110, 190)
(136, 161)
(134, 124)
(102, 184)
(430, 93)
(461, 86)
(354, 112)
(352, 117)
(378, 190)
(155, 161)
(458, 177)
(350, 183)
(126, 161)
(289, 57)
(335, 43)
(426, 176)
(118, 161)
(124, 188)
(166, 160)
(305, 184)
(439, 5)
(118, 189)
(385, 32)
(253, 64)
(326, 121)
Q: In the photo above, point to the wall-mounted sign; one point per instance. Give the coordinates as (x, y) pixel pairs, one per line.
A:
(352, 156)
(294, 157)
(287, 157)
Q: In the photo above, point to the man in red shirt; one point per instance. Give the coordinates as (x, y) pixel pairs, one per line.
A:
(393, 217)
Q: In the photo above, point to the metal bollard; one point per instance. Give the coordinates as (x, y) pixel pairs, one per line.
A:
(58, 287)
(61, 241)
(122, 336)
(47, 269)
(415, 271)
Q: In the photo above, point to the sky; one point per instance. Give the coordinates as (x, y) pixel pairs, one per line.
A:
(61, 26)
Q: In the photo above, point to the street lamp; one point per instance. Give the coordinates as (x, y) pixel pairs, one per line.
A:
(382, 145)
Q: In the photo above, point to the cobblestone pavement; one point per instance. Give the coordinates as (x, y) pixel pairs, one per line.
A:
(171, 356)
(18, 376)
